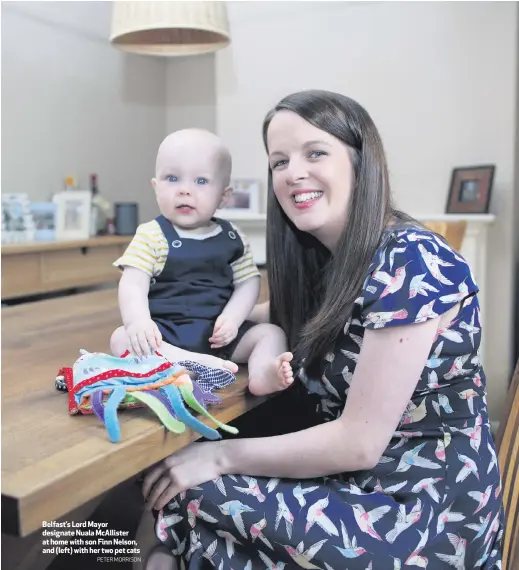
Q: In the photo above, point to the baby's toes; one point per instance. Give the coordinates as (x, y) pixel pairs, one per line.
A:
(286, 356)
(287, 375)
(231, 366)
(284, 359)
(286, 370)
(288, 382)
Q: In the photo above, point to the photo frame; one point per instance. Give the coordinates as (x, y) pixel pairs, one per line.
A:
(17, 221)
(44, 217)
(73, 214)
(470, 189)
(245, 197)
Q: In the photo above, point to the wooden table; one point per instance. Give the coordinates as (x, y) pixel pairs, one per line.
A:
(53, 462)
(43, 267)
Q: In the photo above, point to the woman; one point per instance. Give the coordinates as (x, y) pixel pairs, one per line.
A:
(383, 319)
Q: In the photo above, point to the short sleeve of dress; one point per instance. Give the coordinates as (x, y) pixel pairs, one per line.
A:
(415, 277)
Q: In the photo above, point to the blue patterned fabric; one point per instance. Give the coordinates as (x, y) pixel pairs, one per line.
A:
(433, 501)
(209, 379)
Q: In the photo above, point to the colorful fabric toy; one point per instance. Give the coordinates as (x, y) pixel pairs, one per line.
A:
(101, 384)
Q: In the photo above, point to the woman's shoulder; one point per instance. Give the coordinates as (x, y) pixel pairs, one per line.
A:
(412, 242)
(415, 275)
(414, 233)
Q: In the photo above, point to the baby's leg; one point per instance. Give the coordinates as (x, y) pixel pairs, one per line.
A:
(119, 344)
(155, 555)
(265, 348)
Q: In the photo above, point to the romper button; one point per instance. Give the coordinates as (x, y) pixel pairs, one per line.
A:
(176, 243)
(232, 235)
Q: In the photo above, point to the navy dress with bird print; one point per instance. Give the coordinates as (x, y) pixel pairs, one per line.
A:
(433, 500)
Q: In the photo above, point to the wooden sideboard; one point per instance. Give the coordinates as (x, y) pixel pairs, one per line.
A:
(45, 267)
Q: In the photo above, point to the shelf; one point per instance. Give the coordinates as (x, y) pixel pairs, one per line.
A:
(41, 246)
(480, 218)
(237, 216)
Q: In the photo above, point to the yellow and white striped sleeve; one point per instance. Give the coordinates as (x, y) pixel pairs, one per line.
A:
(244, 268)
(147, 251)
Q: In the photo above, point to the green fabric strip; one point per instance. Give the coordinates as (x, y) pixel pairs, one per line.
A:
(160, 410)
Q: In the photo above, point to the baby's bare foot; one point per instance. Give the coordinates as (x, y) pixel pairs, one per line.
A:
(272, 376)
(176, 354)
(284, 370)
(214, 362)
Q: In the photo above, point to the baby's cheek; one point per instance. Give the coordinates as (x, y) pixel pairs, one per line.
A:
(165, 202)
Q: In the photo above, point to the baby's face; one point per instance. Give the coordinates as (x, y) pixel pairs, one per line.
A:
(190, 184)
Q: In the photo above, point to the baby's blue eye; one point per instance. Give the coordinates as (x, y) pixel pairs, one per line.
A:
(171, 178)
(201, 181)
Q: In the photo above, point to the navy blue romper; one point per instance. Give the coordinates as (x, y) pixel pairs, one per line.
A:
(194, 287)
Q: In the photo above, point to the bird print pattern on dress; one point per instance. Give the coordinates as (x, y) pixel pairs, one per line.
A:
(433, 500)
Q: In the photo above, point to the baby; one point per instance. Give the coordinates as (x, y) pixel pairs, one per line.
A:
(189, 281)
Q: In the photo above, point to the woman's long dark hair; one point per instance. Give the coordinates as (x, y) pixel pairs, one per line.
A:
(312, 292)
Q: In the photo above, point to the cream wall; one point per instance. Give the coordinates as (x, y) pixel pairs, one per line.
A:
(72, 104)
(191, 93)
(439, 79)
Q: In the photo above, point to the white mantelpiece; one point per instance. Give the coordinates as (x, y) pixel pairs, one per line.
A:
(474, 248)
(474, 245)
(254, 227)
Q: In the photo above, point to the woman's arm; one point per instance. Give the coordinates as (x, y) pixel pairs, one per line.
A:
(390, 363)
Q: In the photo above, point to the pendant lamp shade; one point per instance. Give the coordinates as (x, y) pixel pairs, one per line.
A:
(169, 28)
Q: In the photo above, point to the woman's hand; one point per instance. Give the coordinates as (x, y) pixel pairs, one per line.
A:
(195, 464)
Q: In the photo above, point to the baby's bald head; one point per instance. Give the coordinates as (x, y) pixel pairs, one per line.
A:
(195, 149)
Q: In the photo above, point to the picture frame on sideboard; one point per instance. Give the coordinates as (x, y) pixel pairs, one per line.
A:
(73, 214)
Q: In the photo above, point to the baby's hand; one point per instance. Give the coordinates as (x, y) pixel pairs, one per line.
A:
(142, 335)
(225, 331)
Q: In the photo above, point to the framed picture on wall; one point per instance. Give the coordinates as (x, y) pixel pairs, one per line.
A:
(73, 213)
(470, 190)
(245, 197)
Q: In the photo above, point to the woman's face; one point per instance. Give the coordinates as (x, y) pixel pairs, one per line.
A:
(312, 176)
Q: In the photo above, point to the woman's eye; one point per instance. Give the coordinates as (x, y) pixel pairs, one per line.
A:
(279, 163)
(317, 154)
(171, 178)
(201, 181)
